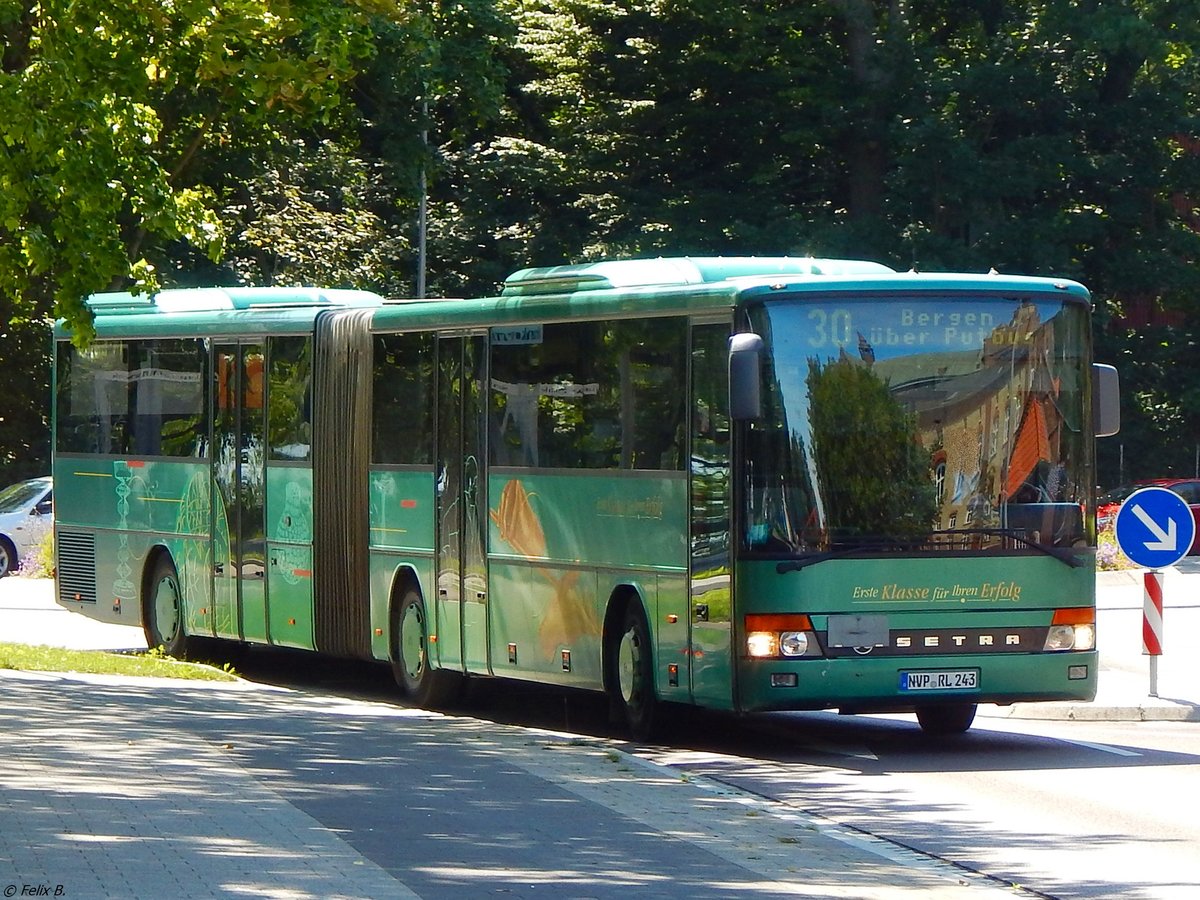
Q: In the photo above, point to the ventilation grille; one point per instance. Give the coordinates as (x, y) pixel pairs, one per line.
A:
(76, 567)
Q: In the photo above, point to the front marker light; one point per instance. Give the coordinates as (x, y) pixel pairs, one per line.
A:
(762, 643)
(1085, 637)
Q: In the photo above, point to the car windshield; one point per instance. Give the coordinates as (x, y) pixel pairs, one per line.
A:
(19, 495)
(944, 422)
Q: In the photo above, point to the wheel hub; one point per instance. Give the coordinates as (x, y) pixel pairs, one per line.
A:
(166, 610)
(627, 665)
(412, 641)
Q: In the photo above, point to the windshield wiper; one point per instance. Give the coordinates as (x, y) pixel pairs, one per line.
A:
(1071, 556)
(811, 559)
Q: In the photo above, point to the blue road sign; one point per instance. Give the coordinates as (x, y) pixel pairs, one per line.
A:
(1154, 527)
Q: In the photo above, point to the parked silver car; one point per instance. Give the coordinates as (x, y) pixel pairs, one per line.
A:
(26, 517)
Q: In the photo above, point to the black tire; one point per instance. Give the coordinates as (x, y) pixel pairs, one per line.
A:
(8, 557)
(947, 718)
(631, 667)
(427, 687)
(162, 611)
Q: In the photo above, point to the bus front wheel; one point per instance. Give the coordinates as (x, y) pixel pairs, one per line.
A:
(162, 615)
(425, 685)
(947, 718)
(632, 665)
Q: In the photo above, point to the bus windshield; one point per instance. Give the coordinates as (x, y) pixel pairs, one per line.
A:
(936, 422)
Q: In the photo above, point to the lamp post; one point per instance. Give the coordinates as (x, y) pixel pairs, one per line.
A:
(423, 207)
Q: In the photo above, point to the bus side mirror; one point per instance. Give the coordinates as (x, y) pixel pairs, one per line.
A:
(1106, 400)
(745, 377)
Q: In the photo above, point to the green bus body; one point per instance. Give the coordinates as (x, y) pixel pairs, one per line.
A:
(904, 524)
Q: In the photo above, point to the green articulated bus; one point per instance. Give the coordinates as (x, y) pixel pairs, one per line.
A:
(736, 483)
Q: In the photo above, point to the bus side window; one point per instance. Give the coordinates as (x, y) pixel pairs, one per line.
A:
(94, 396)
(167, 400)
(709, 461)
(402, 397)
(289, 431)
(591, 395)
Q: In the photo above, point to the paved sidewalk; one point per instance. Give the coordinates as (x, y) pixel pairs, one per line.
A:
(124, 788)
(97, 800)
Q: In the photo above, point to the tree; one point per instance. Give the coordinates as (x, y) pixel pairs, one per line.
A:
(338, 204)
(113, 115)
(24, 409)
(115, 122)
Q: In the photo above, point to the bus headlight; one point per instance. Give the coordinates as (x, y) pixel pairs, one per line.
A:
(1072, 629)
(793, 643)
(775, 635)
(1060, 637)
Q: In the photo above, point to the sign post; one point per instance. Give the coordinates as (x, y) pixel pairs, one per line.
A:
(1154, 528)
(1152, 626)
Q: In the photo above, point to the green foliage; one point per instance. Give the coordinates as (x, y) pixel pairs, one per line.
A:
(111, 114)
(307, 218)
(1160, 385)
(25, 399)
(122, 127)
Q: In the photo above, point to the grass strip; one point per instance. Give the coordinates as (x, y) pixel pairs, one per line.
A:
(98, 662)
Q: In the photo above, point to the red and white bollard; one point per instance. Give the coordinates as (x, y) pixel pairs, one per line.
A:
(1152, 625)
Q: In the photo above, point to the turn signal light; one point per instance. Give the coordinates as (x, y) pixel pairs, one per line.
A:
(778, 622)
(1075, 615)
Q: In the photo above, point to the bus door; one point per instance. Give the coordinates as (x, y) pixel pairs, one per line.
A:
(239, 486)
(461, 564)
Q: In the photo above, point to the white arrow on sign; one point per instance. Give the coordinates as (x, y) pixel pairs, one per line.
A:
(1166, 539)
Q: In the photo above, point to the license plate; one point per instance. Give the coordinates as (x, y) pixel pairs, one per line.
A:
(941, 680)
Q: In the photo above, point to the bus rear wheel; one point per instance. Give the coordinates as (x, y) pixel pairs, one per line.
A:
(946, 718)
(631, 661)
(425, 685)
(162, 611)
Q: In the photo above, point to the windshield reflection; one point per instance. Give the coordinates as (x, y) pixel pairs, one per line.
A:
(922, 423)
